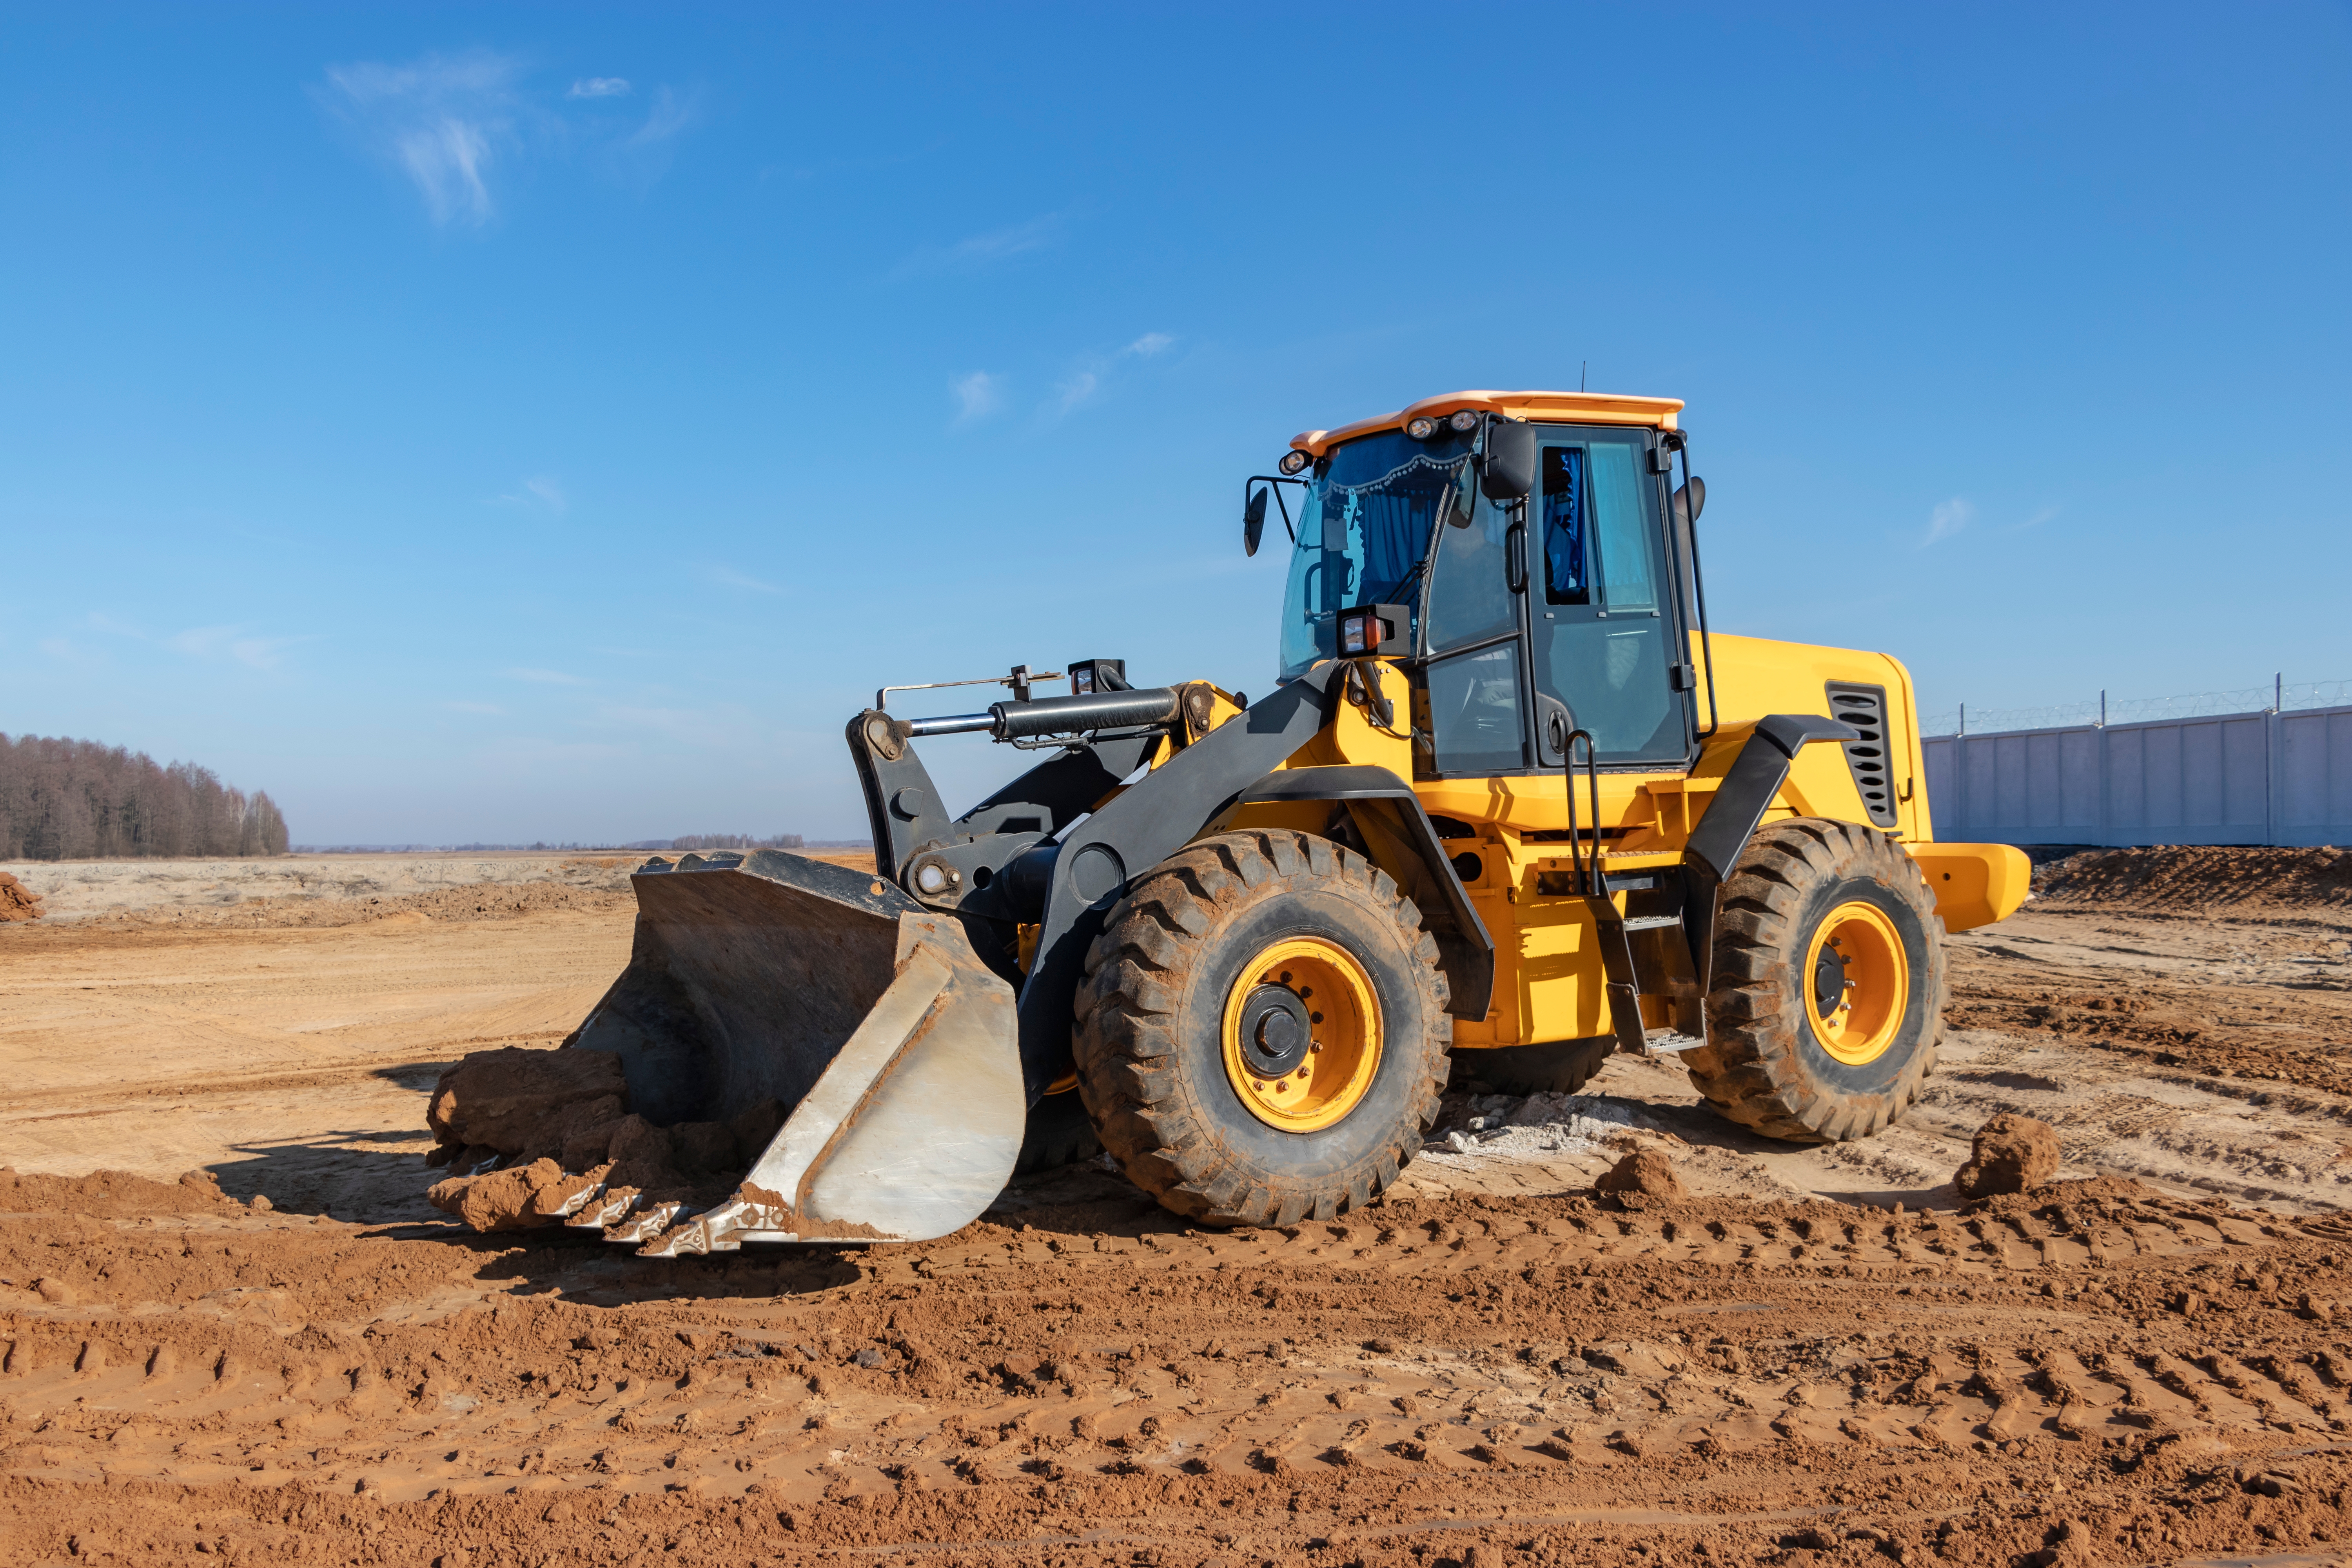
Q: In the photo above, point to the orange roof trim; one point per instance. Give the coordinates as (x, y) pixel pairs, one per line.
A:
(1571, 407)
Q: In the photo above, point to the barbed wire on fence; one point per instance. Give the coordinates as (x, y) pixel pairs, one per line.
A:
(2283, 696)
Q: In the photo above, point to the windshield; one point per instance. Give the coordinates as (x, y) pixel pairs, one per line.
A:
(1363, 536)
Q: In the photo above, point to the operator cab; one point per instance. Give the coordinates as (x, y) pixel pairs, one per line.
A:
(1568, 605)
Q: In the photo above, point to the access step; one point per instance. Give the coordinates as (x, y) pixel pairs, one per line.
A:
(1667, 1043)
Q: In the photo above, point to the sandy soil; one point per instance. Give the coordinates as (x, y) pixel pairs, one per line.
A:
(268, 891)
(1820, 1356)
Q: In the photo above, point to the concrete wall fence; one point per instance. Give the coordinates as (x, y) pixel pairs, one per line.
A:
(2263, 777)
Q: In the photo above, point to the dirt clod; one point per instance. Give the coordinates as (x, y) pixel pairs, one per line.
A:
(501, 1200)
(2012, 1153)
(1641, 1179)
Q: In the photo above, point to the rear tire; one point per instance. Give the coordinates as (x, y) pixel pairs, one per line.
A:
(1827, 1002)
(1290, 946)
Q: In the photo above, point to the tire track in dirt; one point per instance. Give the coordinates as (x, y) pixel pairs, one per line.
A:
(1547, 1369)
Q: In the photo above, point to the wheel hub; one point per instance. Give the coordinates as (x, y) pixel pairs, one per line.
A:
(1275, 1033)
(1860, 989)
(1302, 1034)
(1829, 979)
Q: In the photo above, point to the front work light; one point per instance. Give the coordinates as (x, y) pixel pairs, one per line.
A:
(1420, 426)
(1293, 461)
(1463, 421)
(1369, 629)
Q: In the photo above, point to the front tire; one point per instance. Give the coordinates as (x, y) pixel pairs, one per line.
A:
(1826, 1006)
(1262, 1033)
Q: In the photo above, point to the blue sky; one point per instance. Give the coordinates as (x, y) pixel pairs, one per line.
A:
(537, 422)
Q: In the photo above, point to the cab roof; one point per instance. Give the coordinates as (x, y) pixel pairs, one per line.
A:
(1574, 408)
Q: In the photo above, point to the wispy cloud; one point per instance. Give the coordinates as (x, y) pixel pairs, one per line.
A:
(982, 249)
(1948, 518)
(235, 642)
(440, 120)
(977, 396)
(490, 708)
(538, 494)
(2038, 518)
(644, 155)
(730, 577)
(450, 123)
(678, 723)
(1088, 377)
(671, 114)
(231, 642)
(546, 677)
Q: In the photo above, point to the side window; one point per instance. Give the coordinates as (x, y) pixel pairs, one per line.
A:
(1625, 527)
(1568, 576)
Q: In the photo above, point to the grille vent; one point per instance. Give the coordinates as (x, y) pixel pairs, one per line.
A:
(1870, 758)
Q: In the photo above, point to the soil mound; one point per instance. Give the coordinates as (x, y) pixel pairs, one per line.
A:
(2010, 1154)
(111, 1194)
(2197, 878)
(17, 902)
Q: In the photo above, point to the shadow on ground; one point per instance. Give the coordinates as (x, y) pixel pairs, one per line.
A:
(366, 1176)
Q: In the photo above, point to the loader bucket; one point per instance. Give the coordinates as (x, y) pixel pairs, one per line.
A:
(893, 1047)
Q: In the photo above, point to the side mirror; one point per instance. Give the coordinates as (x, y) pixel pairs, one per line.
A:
(1253, 519)
(1508, 471)
(1690, 499)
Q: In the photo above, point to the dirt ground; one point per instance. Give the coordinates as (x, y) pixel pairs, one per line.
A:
(1820, 1356)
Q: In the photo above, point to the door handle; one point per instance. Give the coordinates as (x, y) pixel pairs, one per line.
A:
(1515, 558)
(1556, 722)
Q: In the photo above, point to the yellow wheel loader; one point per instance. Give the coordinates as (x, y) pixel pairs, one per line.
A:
(1509, 807)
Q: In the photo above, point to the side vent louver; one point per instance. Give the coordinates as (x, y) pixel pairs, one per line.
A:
(1870, 758)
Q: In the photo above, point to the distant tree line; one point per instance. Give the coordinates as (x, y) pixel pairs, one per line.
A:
(79, 800)
(721, 841)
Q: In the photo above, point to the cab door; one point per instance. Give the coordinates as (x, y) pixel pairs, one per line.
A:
(1602, 627)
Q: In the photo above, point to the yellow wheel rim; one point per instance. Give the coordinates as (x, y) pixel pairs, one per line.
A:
(1302, 1033)
(1857, 982)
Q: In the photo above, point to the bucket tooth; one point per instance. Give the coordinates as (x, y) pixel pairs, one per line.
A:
(725, 1230)
(604, 1211)
(580, 1200)
(648, 1222)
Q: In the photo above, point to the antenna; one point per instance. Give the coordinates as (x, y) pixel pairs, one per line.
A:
(1581, 367)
